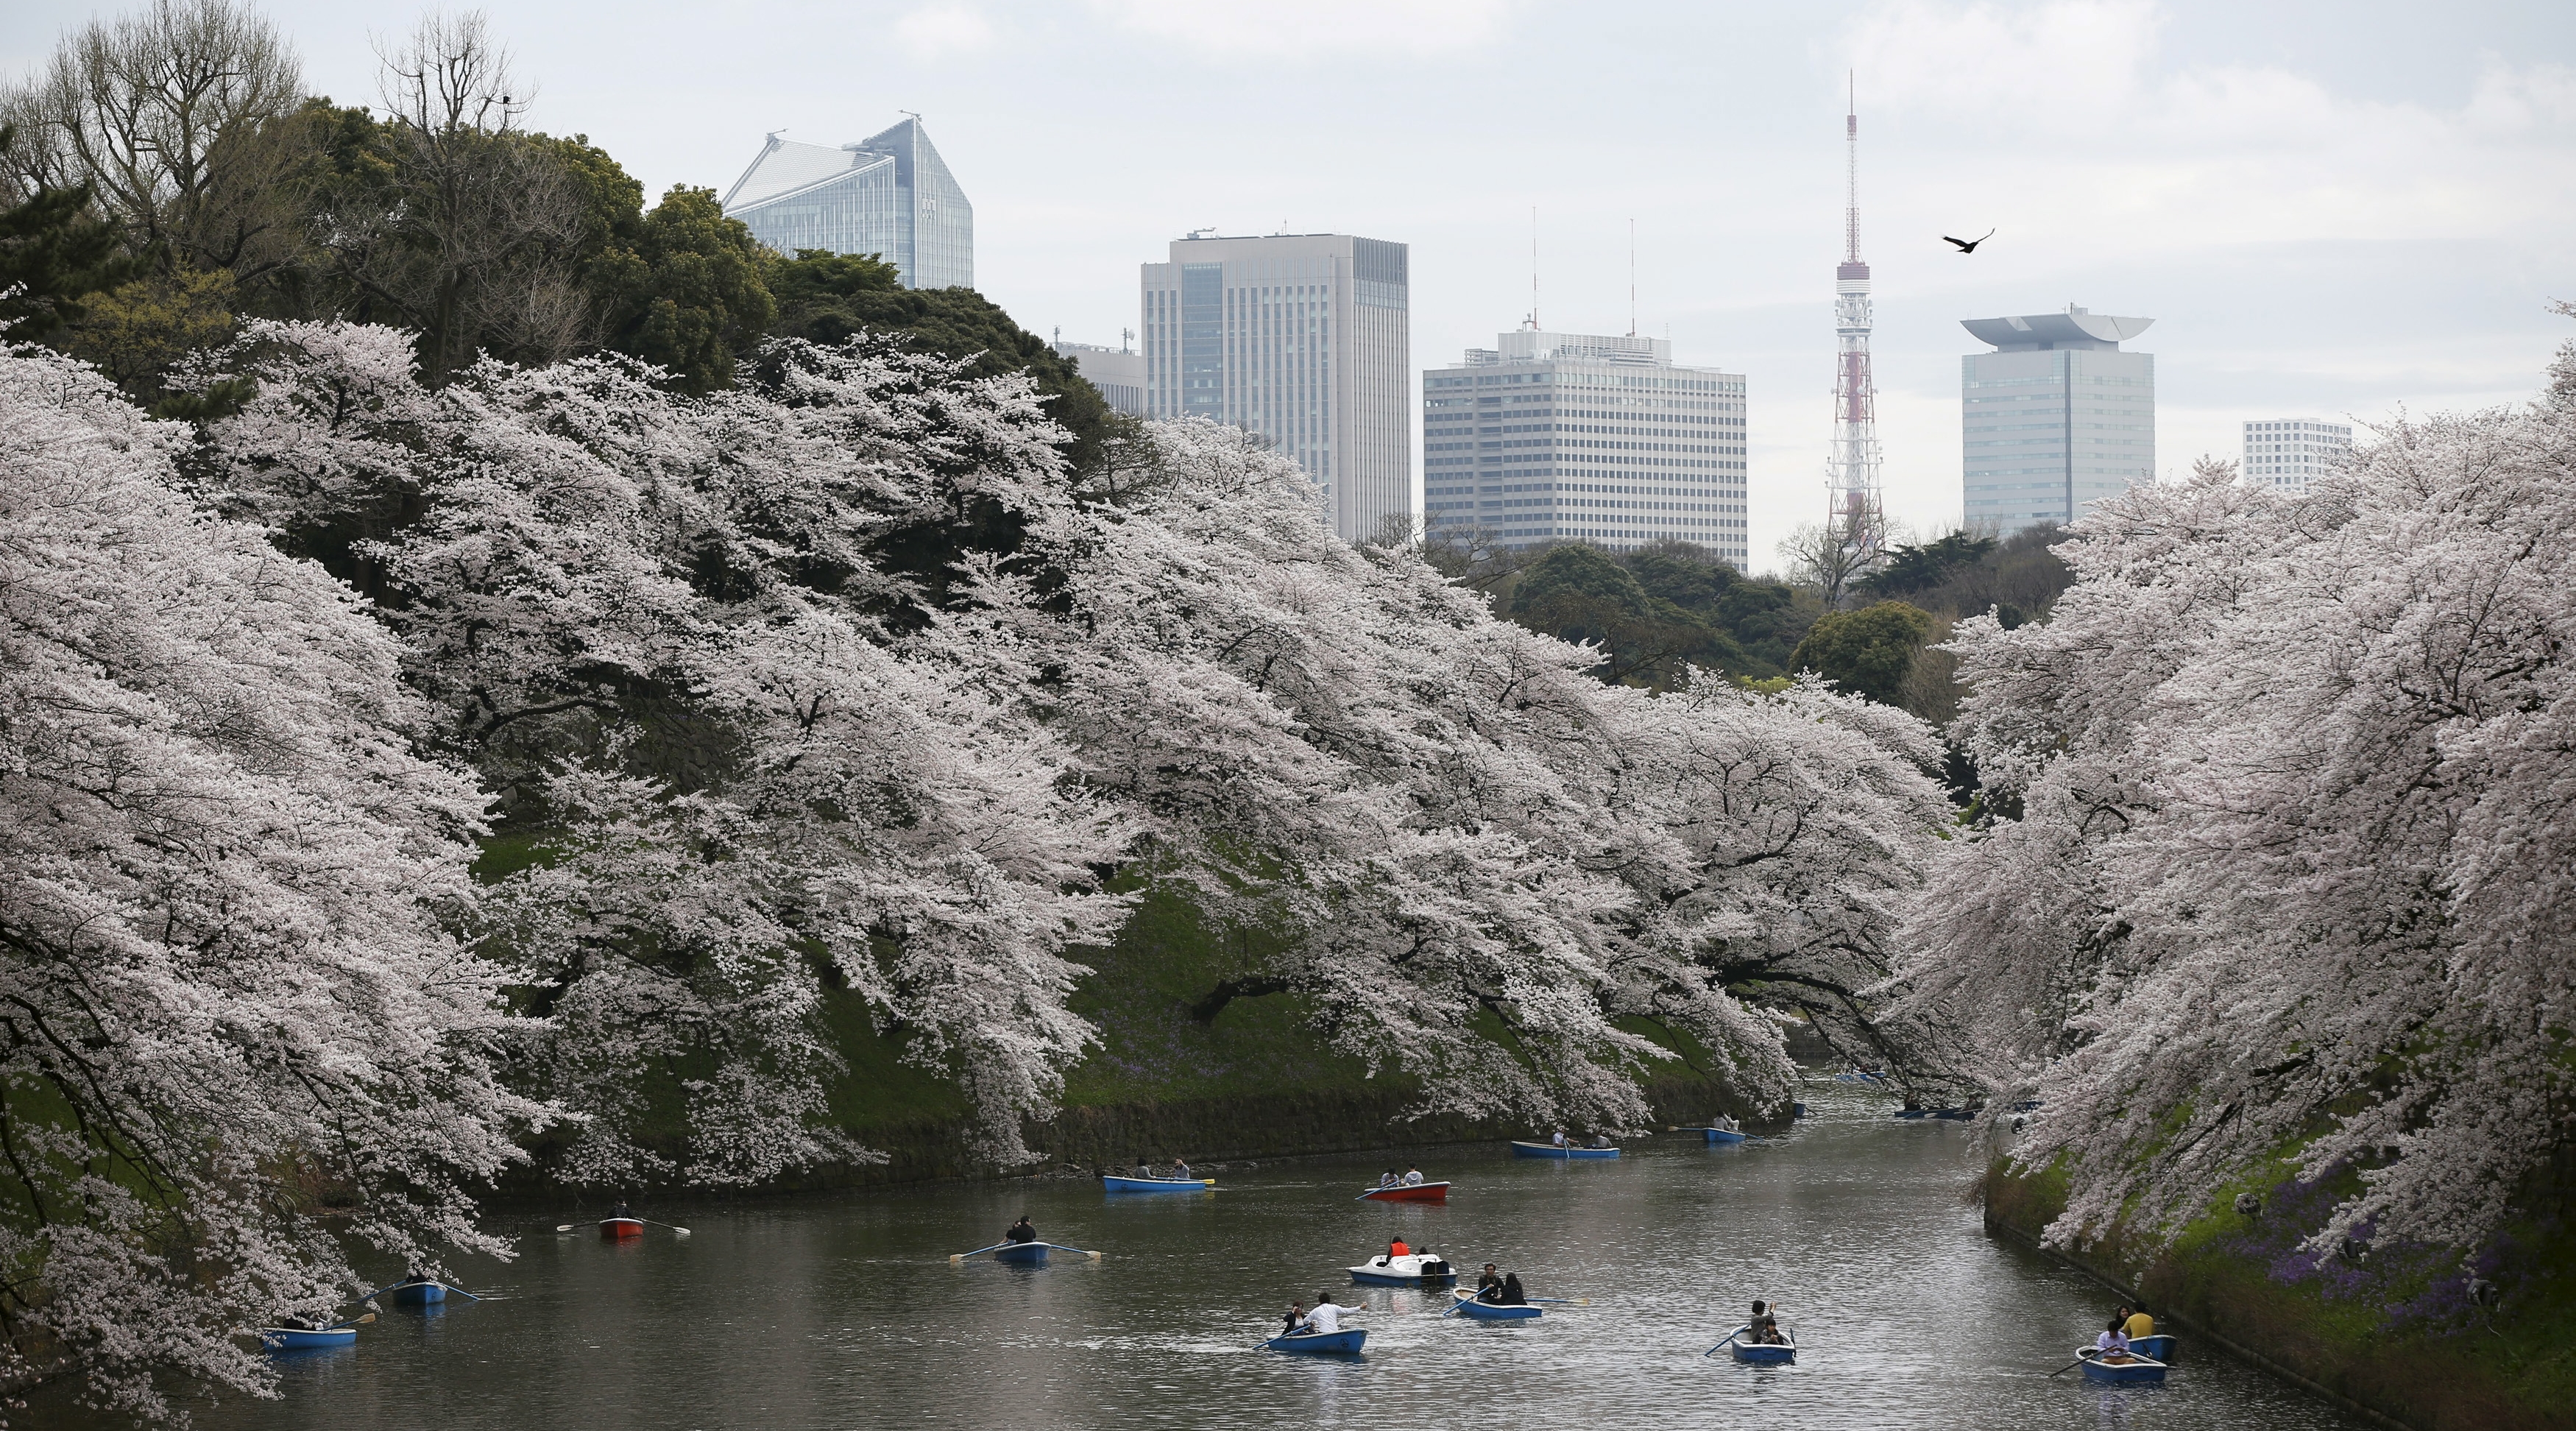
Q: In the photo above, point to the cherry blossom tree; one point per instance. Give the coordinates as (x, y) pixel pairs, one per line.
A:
(238, 1039)
(2294, 781)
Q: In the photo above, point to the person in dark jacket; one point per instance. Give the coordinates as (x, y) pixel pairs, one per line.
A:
(1512, 1296)
(1489, 1287)
(1021, 1231)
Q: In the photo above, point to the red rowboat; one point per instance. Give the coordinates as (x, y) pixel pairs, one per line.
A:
(618, 1229)
(1417, 1192)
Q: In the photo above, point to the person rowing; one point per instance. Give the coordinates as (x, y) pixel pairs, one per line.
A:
(1326, 1318)
(2139, 1325)
(1489, 1287)
(1021, 1231)
(1764, 1327)
(2113, 1345)
(1386, 1179)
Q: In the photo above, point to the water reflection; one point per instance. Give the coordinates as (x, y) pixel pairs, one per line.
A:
(844, 1312)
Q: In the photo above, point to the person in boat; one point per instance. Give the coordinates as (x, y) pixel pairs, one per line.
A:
(2139, 1324)
(1413, 1177)
(1397, 1249)
(1510, 1293)
(621, 1213)
(1560, 1138)
(1489, 1287)
(2113, 1344)
(1326, 1318)
(1021, 1231)
(1764, 1327)
(1144, 1169)
(1601, 1140)
(1386, 1179)
(1296, 1316)
(1180, 1170)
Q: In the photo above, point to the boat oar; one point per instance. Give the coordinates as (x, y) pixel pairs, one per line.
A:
(358, 1321)
(962, 1256)
(459, 1291)
(2080, 1358)
(1094, 1256)
(1560, 1301)
(1721, 1346)
(675, 1227)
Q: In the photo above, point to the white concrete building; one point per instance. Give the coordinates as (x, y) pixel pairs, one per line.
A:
(1303, 338)
(1119, 373)
(2289, 451)
(1564, 436)
(2057, 418)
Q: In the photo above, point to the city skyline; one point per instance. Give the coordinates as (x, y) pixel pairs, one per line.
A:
(2336, 212)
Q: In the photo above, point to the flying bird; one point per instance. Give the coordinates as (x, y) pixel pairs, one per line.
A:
(1969, 245)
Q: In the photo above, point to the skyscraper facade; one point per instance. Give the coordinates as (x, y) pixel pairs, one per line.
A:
(1562, 436)
(890, 195)
(2289, 451)
(1303, 338)
(2053, 420)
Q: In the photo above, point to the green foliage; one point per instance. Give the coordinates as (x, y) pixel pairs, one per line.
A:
(827, 297)
(56, 253)
(688, 292)
(141, 332)
(1920, 568)
(1869, 651)
(1576, 593)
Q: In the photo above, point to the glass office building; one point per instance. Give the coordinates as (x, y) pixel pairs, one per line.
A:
(2053, 420)
(1562, 436)
(1304, 338)
(2292, 451)
(889, 195)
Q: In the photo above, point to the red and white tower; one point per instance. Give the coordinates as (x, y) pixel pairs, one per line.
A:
(1855, 515)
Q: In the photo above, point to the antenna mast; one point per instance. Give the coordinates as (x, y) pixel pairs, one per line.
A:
(1632, 278)
(1855, 514)
(1533, 268)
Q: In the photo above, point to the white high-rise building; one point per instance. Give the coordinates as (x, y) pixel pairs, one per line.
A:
(1119, 373)
(1303, 338)
(2057, 418)
(890, 195)
(1564, 437)
(2288, 452)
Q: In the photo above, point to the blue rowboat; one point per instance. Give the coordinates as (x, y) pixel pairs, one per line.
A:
(1550, 1150)
(1780, 1353)
(1156, 1185)
(2155, 1348)
(1347, 1342)
(1496, 1311)
(1407, 1271)
(2120, 1373)
(298, 1339)
(418, 1294)
(1720, 1135)
(1031, 1253)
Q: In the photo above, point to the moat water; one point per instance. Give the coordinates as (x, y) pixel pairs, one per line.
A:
(844, 1311)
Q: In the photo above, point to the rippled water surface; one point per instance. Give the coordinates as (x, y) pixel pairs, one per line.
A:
(845, 1312)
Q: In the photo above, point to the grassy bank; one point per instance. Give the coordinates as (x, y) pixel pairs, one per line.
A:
(2392, 1331)
(1170, 1077)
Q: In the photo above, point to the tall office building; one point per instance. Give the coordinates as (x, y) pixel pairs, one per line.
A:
(888, 195)
(2289, 452)
(1562, 436)
(1119, 373)
(1303, 338)
(2055, 419)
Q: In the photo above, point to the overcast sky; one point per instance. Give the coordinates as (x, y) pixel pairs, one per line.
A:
(2330, 209)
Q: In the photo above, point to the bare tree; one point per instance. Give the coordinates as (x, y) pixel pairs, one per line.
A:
(176, 118)
(470, 234)
(1817, 556)
(1474, 555)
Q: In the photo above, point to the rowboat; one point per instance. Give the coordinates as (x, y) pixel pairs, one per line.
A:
(1550, 1150)
(418, 1294)
(299, 1339)
(1409, 1192)
(1779, 1353)
(1346, 1341)
(1496, 1311)
(1156, 1185)
(1030, 1253)
(2120, 1373)
(1718, 1135)
(1410, 1270)
(2155, 1348)
(618, 1229)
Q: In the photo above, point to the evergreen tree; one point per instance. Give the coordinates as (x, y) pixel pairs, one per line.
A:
(53, 252)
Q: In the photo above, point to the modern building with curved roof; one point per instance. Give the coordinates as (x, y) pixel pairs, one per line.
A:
(2057, 418)
(889, 195)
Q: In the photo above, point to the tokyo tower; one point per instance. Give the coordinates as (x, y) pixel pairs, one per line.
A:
(1855, 515)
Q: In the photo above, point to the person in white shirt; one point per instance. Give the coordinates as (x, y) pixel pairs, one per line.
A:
(1560, 1137)
(1325, 1318)
(1413, 1177)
